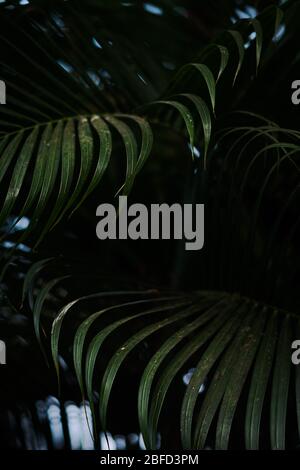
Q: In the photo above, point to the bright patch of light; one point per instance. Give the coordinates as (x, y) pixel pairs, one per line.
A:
(195, 150)
(96, 43)
(242, 15)
(252, 12)
(142, 78)
(105, 74)
(120, 442)
(133, 438)
(94, 77)
(19, 246)
(86, 427)
(23, 2)
(14, 224)
(59, 21)
(251, 36)
(56, 426)
(74, 425)
(64, 65)
(8, 245)
(62, 363)
(187, 378)
(280, 32)
(141, 442)
(155, 10)
(23, 223)
(249, 12)
(107, 442)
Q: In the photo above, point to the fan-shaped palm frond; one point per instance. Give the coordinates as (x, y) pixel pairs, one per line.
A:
(230, 340)
(52, 148)
(49, 147)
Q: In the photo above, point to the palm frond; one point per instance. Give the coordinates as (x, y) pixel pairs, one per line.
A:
(52, 149)
(232, 340)
(87, 131)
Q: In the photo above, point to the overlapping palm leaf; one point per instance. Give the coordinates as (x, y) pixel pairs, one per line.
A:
(56, 138)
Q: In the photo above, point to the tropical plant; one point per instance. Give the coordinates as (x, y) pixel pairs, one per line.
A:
(192, 106)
